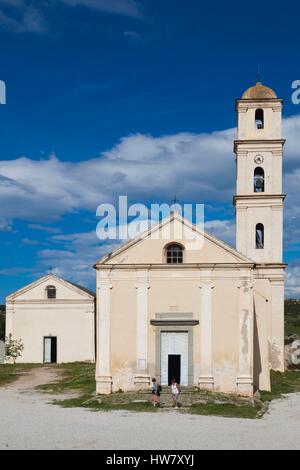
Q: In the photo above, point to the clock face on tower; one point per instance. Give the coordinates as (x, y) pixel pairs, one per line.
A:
(258, 159)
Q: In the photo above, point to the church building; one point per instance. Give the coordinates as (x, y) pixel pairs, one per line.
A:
(55, 319)
(211, 317)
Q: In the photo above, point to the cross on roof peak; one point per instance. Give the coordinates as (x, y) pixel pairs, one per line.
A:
(174, 200)
(258, 74)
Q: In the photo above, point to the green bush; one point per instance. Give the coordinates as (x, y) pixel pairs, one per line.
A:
(292, 317)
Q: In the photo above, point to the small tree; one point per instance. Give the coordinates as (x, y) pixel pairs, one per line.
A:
(13, 348)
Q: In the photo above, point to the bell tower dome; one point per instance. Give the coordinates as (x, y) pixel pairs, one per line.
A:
(259, 151)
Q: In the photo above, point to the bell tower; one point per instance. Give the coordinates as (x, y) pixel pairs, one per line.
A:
(259, 199)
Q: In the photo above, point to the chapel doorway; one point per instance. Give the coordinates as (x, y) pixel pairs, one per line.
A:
(50, 349)
(174, 362)
(174, 357)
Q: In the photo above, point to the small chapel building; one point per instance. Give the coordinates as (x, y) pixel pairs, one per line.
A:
(55, 319)
(211, 317)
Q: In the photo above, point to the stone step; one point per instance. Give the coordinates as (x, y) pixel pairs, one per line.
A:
(168, 395)
(186, 398)
(167, 390)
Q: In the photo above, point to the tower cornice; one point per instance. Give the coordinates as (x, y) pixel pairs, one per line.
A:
(258, 197)
(267, 142)
(248, 103)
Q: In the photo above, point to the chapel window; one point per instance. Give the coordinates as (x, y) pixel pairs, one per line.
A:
(174, 254)
(51, 292)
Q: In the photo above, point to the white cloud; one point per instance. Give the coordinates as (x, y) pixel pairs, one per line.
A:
(197, 167)
(121, 7)
(292, 286)
(5, 225)
(15, 271)
(22, 17)
(33, 21)
(74, 258)
(44, 228)
(28, 16)
(29, 241)
(222, 229)
(133, 35)
(13, 3)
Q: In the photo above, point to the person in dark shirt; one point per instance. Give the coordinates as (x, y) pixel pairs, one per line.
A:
(156, 389)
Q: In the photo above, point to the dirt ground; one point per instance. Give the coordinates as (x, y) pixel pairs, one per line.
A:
(33, 378)
(29, 421)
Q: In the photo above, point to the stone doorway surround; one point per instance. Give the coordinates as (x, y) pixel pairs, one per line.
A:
(174, 322)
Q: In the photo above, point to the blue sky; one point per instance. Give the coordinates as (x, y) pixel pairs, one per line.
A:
(109, 97)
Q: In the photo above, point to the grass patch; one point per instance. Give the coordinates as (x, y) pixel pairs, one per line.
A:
(11, 372)
(282, 383)
(228, 410)
(107, 404)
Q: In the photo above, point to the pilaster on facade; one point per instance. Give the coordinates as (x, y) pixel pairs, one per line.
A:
(142, 286)
(206, 378)
(245, 335)
(103, 374)
(277, 318)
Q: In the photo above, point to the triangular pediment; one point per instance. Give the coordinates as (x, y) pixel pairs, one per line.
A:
(65, 290)
(149, 247)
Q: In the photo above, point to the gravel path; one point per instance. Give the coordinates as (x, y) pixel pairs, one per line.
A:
(28, 421)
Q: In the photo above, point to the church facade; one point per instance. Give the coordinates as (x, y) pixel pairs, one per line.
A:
(212, 317)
